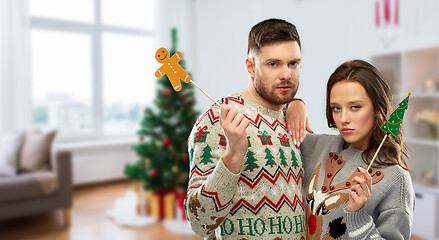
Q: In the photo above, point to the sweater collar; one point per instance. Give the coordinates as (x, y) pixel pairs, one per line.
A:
(351, 153)
(259, 108)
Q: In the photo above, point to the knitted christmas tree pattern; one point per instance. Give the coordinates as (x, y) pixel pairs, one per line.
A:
(270, 158)
(206, 156)
(294, 159)
(273, 181)
(393, 124)
(250, 161)
(283, 158)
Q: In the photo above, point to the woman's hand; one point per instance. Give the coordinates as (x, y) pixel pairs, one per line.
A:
(297, 121)
(360, 192)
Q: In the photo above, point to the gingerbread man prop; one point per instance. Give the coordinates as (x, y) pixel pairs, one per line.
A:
(171, 67)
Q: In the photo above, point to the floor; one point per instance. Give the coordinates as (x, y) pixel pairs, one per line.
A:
(88, 220)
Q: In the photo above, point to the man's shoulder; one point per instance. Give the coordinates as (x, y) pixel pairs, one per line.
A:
(212, 114)
(235, 98)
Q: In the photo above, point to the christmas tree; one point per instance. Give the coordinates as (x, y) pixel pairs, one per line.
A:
(250, 161)
(164, 130)
(269, 157)
(395, 120)
(294, 158)
(392, 125)
(282, 157)
(206, 157)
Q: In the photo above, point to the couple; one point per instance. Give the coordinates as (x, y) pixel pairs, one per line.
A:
(250, 180)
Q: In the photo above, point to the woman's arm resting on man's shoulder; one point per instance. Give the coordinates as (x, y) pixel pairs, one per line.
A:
(297, 120)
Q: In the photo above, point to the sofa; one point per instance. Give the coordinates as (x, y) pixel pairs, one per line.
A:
(33, 190)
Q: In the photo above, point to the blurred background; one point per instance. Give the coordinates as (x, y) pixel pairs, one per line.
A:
(87, 129)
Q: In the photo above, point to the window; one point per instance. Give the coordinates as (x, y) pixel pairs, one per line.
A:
(61, 77)
(92, 72)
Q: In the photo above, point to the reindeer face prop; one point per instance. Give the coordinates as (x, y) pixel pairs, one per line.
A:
(320, 200)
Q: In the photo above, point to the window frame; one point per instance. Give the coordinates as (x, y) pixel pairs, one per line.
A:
(95, 30)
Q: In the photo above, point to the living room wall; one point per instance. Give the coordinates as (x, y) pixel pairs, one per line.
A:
(331, 33)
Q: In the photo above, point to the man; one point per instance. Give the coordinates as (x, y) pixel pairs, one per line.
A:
(246, 173)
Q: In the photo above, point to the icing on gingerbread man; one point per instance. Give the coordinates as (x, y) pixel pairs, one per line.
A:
(171, 67)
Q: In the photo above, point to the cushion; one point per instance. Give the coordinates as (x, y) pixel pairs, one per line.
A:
(48, 181)
(35, 153)
(9, 147)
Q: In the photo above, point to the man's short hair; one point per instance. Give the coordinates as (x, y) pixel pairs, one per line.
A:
(271, 31)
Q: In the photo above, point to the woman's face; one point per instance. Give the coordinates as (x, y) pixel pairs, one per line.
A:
(353, 113)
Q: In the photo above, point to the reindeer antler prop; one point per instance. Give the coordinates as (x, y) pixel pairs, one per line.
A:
(335, 163)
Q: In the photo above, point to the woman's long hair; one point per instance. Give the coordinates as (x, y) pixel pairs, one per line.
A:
(379, 91)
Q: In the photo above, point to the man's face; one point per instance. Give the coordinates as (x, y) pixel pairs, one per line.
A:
(276, 73)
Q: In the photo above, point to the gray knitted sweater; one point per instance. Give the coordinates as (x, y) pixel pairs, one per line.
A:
(329, 170)
(265, 200)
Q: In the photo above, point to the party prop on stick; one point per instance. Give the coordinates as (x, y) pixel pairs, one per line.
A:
(175, 72)
(392, 125)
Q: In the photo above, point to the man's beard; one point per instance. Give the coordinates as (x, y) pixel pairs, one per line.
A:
(276, 99)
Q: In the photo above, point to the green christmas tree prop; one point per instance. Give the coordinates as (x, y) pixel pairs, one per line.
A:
(164, 130)
(282, 157)
(395, 120)
(294, 158)
(392, 125)
(250, 161)
(269, 157)
(206, 157)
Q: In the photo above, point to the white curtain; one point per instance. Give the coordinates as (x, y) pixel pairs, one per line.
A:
(15, 83)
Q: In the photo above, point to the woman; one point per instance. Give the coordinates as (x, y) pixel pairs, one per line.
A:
(343, 201)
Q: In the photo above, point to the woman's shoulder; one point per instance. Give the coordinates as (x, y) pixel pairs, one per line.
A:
(397, 174)
(399, 181)
(311, 140)
(314, 145)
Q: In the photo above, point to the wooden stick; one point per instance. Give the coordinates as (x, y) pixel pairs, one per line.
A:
(206, 94)
(376, 153)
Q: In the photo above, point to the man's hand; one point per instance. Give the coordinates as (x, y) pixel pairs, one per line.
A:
(297, 121)
(234, 125)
